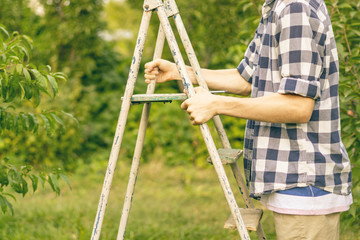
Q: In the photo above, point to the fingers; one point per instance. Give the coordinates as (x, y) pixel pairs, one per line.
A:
(194, 119)
(185, 104)
(151, 65)
(151, 72)
(149, 76)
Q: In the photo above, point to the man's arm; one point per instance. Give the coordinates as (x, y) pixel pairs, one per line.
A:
(227, 79)
(275, 108)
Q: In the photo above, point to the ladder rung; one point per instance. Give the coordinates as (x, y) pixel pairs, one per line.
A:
(228, 156)
(251, 217)
(161, 97)
(165, 97)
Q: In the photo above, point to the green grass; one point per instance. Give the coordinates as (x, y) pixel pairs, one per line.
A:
(180, 202)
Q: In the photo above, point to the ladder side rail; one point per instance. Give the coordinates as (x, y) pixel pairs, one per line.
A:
(204, 128)
(246, 197)
(139, 144)
(217, 121)
(196, 67)
(134, 70)
(197, 71)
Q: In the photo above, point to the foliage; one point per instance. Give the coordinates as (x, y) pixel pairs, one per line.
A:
(22, 81)
(346, 22)
(94, 71)
(17, 180)
(186, 203)
(220, 32)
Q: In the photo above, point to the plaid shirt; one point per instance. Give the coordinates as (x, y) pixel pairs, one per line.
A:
(294, 52)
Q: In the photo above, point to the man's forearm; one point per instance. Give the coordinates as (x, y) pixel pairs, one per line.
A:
(276, 108)
(225, 79)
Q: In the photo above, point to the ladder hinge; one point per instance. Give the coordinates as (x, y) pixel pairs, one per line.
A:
(150, 5)
(170, 8)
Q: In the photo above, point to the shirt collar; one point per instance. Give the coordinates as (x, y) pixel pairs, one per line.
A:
(268, 4)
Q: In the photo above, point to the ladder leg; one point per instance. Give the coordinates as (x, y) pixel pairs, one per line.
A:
(217, 121)
(245, 195)
(134, 69)
(204, 128)
(139, 145)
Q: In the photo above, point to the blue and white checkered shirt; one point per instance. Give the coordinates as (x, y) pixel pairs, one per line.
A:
(294, 52)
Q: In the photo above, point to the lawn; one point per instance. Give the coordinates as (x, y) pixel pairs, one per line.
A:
(181, 202)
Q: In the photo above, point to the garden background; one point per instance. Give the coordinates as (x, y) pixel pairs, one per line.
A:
(58, 128)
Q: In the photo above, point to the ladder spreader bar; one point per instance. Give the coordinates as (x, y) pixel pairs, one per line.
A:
(161, 97)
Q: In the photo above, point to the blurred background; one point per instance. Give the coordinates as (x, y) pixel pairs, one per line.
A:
(178, 195)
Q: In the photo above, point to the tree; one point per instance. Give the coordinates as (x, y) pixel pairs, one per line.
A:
(67, 35)
(22, 82)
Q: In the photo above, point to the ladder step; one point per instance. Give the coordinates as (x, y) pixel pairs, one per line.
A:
(251, 217)
(161, 97)
(228, 156)
(165, 97)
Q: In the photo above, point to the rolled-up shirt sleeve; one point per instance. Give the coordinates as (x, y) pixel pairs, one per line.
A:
(246, 66)
(299, 59)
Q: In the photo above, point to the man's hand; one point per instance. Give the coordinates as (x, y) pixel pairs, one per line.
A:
(201, 107)
(161, 71)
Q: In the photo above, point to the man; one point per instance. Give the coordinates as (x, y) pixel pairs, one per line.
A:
(293, 153)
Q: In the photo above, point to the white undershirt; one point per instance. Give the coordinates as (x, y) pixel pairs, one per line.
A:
(306, 201)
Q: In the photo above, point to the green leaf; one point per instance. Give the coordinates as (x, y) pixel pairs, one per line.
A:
(9, 206)
(22, 91)
(35, 122)
(26, 75)
(3, 204)
(45, 69)
(10, 195)
(28, 90)
(46, 122)
(58, 120)
(60, 75)
(15, 58)
(34, 181)
(25, 122)
(54, 183)
(51, 120)
(66, 179)
(41, 80)
(72, 117)
(344, 6)
(24, 186)
(53, 84)
(4, 31)
(4, 181)
(6, 78)
(25, 51)
(27, 41)
(42, 179)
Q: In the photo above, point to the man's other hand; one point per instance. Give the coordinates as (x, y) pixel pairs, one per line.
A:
(201, 107)
(161, 71)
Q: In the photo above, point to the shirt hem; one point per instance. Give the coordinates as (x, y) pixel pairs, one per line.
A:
(308, 212)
